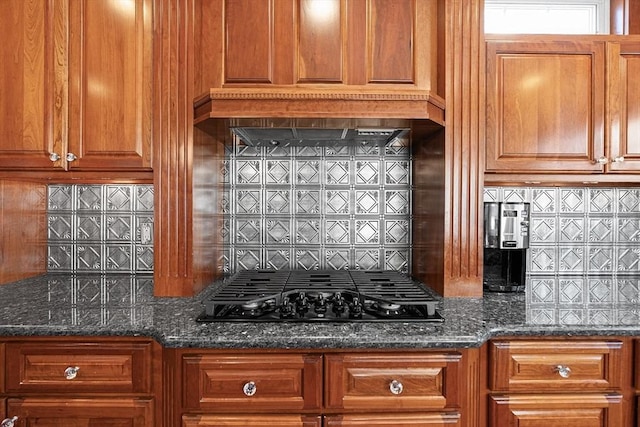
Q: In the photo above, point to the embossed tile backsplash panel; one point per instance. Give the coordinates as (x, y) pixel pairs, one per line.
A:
(309, 208)
(100, 228)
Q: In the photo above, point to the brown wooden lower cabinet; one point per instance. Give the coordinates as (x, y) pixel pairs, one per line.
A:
(332, 389)
(103, 412)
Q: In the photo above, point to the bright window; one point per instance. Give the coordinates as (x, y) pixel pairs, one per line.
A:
(546, 16)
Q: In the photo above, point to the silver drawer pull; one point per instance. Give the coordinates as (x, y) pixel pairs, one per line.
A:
(563, 371)
(71, 372)
(249, 389)
(9, 422)
(396, 387)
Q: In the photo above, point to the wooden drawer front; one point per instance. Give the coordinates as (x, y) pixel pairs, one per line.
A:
(103, 367)
(280, 382)
(360, 381)
(33, 412)
(393, 420)
(549, 410)
(251, 421)
(538, 365)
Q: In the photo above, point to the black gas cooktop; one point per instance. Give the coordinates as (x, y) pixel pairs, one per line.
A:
(316, 296)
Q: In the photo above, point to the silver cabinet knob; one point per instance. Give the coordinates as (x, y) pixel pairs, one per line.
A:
(71, 372)
(9, 422)
(619, 159)
(54, 157)
(396, 387)
(563, 371)
(602, 160)
(71, 157)
(249, 389)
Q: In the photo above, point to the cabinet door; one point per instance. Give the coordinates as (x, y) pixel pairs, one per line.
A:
(545, 106)
(32, 93)
(110, 84)
(35, 412)
(251, 421)
(547, 410)
(624, 105)
(393, 420)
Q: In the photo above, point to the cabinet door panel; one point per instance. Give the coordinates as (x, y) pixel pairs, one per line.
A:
(320, 54)
(110, 84)
(391, 382)
(250, 421)
(545, 106)
(27, 82)
(597, 410)
(534, 365)
(253, 383)
(624, 104)
(34, 412)
(384, 420)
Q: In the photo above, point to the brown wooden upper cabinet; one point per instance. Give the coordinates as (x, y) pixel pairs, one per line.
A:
(275, 43)
(75, 91)
(564, 106)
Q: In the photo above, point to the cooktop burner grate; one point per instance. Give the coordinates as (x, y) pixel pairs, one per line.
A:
(334, 295)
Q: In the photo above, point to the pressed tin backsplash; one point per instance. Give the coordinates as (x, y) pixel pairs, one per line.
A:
(100, 228)
(308, 207)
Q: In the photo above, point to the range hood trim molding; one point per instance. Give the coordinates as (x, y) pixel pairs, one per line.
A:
(296, 103)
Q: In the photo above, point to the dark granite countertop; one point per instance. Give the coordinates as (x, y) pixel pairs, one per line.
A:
(124, 305)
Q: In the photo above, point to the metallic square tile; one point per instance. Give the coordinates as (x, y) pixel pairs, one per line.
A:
(337, 259)
(367, 172)
(89, 227)
(515, 195)
(541, 316)
(367, 259)
(278, 201)
(308, 172)
(337, 231)
(248, 258)
(571, 259)
(308, 151)
(490, 195)
(60, 227)
(600, 316)
(248, 202)
(278, 259)
(60, 197)
(397, 232)
(572, 316)
(397, 260)
(571, 229)
(572, 200)
(308, 259)
(600, 259)
(144, 198)
(628, 259)
(278, 231)
(628, 290)
(367, 201)
(543, 259)
(601, 200)
(397, 172)
(60, 257)
(248, 171)
(368, 150)
(144, 259)
(542, 291)
(628, 200)
(119, 198)
(119, 258)
(336, 151)
(600, 291)
(544, 200)
(119, 227)
(248, 231)
(89, 290)
(628, 230)
(119, 290)
(367, 231)
(89, 257)
(600, 230)
(337, 172)
(89, 197)
(278, 151)
(337, 202)
(397, 202)
(543, 230)
(308, 201)
(571, 291)
(398, 147)
(278, 172)
(307, 231)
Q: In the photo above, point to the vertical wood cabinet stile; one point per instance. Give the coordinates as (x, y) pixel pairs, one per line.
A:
(80, 382)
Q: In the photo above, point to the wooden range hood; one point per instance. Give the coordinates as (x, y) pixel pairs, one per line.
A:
(299, 103)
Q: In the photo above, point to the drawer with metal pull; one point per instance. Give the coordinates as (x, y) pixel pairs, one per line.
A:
(392, 382)
(73, 367)
(256, 383)
(560, 365)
